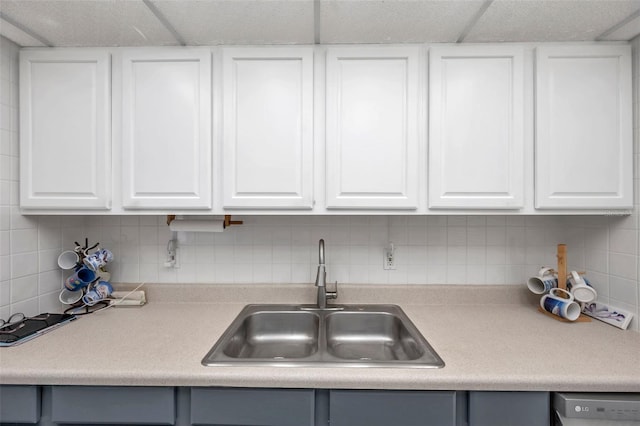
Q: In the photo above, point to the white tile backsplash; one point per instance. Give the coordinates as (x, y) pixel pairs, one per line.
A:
(493, 249)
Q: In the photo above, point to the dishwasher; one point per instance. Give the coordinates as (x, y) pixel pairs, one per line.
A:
(596, 409)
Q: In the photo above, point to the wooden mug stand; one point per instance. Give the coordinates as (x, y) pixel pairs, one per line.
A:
(562, 283)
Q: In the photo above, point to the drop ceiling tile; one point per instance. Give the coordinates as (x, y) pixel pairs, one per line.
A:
(90, 22)
(18, 36)
(214, 22)
(394, 21)
(626, 32)
(549, 20)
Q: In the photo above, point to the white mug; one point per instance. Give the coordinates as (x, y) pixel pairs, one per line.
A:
(69, 297)
(543, 282)
(68, 259)
(561, 303)
(580, 288)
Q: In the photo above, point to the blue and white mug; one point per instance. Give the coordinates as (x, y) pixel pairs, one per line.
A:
(99, 292)
(80, 279)
(543, 282)
(561, 303)
(98, 259)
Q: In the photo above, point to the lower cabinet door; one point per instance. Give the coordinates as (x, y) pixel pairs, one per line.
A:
(116, 405)
(252, 407)
(509, 408)
(393, 408)
(19, 404)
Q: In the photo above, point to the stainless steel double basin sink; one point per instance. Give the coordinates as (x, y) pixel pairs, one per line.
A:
(340, 336)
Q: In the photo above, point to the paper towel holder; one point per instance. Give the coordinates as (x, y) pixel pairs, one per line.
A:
(227, 220)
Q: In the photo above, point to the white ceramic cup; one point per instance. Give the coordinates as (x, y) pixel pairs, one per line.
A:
(68, 259)
(580, 288)
(561, 303)
(69, 297)
(543, 282)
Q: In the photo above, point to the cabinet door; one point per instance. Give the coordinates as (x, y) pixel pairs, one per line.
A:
(252, 407)
(476, 127)
(583, 127)
(115, 405)
(509, 408)
(166, 129)
(268, 127)
(372, 149)
(397, 408)
(65, 129)
(19, 404)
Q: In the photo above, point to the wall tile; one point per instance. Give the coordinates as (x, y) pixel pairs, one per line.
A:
(24, 240)
(24, 288)
(623, 240)
(5, 295)
(24, 264)
(623, 265)
(50, 281)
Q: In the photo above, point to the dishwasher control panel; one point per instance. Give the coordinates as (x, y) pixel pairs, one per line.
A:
(603, 406)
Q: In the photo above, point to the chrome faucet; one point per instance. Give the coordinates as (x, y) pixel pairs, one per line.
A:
(321, 281)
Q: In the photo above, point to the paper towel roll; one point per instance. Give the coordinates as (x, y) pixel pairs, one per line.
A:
(197, 225)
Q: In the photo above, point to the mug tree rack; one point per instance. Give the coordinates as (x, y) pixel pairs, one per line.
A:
(562, 283)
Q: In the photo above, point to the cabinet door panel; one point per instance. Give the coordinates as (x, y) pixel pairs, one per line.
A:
(117, 405)
(252, 407)
(19, 404)
(583, 127)
(268, 128)
(65, 125)
(166, 120)
(509, 408)
(476, 143)
(372, 130)
(397, 408)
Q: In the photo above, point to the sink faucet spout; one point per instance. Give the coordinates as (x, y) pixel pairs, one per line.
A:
(321, 280)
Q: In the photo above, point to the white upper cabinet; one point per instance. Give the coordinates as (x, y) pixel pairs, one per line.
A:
(65, 129)
(476, 127)
(268, 128)
(166, 129)
(583, 156)
(372, 144)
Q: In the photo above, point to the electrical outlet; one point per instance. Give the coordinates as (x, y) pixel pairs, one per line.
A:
(389, 258)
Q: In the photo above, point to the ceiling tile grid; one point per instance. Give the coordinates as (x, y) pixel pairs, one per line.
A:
(405, 21)
(241, 21)
(90, 22)
(213, 22)
(550, 20)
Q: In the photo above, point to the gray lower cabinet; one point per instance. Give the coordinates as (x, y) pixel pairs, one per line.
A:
(19, 404)
(213, 406)
(253, 407)
(115, 405)
(397, 408)
(509, 408)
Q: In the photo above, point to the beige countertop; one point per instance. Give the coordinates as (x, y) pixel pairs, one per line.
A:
(490, 337)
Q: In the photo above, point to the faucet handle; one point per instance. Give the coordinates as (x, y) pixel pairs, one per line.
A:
(333, 294)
